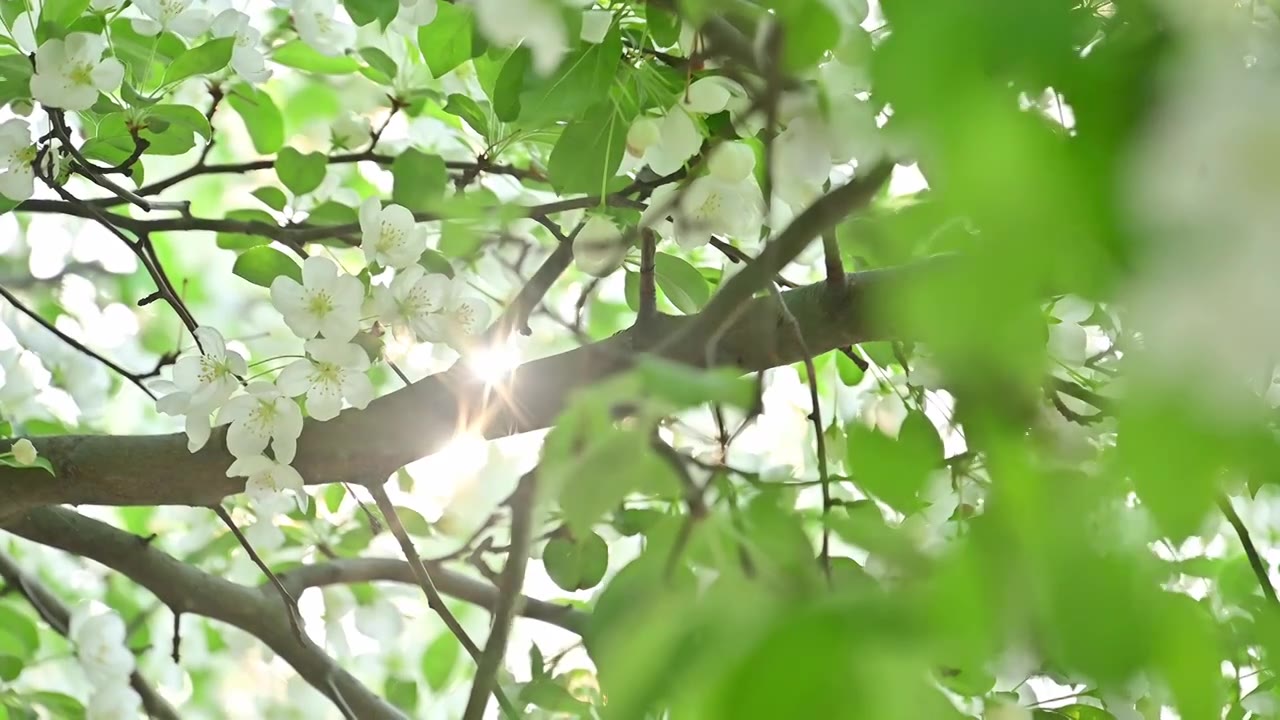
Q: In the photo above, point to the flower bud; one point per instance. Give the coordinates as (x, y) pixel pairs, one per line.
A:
(598, 249)
(644, 132)
(24, 452)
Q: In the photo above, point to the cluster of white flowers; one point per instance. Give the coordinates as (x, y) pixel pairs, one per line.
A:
(99, 637)
(326, 310)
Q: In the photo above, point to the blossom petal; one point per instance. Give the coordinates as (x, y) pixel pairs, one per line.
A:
(358, 390)
(318, 271)
(108, 75)
(295, 379)
(243, 441)
(324, 401)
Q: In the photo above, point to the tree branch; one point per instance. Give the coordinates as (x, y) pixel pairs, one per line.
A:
(416, 421)
(187, 589)
(448, 582)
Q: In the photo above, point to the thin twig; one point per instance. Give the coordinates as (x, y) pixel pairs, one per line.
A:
(836, 279)
(76, 344)
(434, 600)
(820, 439)
(648, 283)
(509, 597)
(1250, 550)
(290, 604)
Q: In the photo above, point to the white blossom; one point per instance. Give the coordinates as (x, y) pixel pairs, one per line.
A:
(247, 59)
(643, 134)
(263, 415)
(708, 206)
(412, 298)
(389, 236)
(537, 24)
(17, 153)
(114, 702)
(23, 30)
(99, 639)
(463, 315)
(326, 302)
(731, 162)
(269, 483)
(211, 376)
(179, 16)
(335, 370)
(679, 136)
(416, 13)
(595, 25)
(598, 248)
(319, 28)
(380, 620)
(1068, 340)
(70, 72)
(22, 379)
(350, 131)
(24, 452)
(177, 403)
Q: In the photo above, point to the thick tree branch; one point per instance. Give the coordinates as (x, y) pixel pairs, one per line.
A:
(185, 588)
(55, 613)
(418, 420)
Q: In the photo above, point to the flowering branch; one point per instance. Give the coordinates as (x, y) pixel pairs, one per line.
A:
(187, 589)
(56, 614)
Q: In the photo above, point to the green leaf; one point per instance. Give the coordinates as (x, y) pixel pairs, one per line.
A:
(447, 42)
(433, 261)
(850, 373)
(300, 173)
(470, 111)
(40, 462)
(686, 386)
(301, 56)
(240, 241)
(182, 116)
(439, 660)
(413, 522)
(418, 179)
(207, 58)
(363, 12)
(332, 213)
(576, 565)
(589, 151)
(401, 692)
(548, 694)
(261, 265)
(892, 470)
(10, 667)
(681, 282)
(63, 707)
(62, 13)
(261, 117)
(585, 76)
(380, 61)
(810, 29)
(272, 197)
(18, 634)
(510, 83)
(333, 496)
(663, 26)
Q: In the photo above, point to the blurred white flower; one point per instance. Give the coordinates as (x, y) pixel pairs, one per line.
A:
(247, 59)
(351, 131)
(99, 636)
(319, 27)
(70, 72)
(179, 16)
(731, 162)
(22, 378)
(17, 153)
(708, 206)
(417, 13)
(644, 133)
(271, 486)
(113, 702)
(464, 314)
(595, 25)
(380, 620)
(536, 24)
(411, 299)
